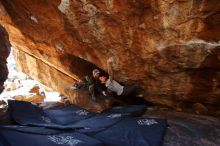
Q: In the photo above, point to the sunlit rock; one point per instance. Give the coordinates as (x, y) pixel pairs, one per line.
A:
(31, 98)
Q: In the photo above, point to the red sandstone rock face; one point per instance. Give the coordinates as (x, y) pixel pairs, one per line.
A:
(169, 48)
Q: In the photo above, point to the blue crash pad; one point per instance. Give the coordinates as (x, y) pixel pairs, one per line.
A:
(32, 130)
(9, 137)
(134, 132)
(25, 113)
(69, 114)
(29, 114)
(99, 122)
(114, 127)
(108, 118)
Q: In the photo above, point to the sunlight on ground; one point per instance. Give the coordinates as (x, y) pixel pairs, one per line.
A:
(20, 84)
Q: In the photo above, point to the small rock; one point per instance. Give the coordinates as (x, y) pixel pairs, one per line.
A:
(199, 108)
(34, 19)
(33, 98)
(163, 108)
(140, 95)
(35, 89)
(179, 109)
(2, 103)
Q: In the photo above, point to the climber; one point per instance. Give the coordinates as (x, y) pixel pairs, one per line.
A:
(113, 87)
(117, 88)
(94, 85)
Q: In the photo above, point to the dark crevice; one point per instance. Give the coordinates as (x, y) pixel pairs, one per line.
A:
(79, 66)
(5, 48)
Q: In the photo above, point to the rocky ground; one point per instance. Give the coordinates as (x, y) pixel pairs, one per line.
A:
(189, 129)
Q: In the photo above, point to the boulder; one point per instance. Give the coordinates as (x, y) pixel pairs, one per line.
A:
(199, 108)
(82, 98)
(170, 48)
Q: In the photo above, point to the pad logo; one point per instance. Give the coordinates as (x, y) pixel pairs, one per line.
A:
(46, 119)
(147, 122)
(65, 140)
(114, 116)
(82, 112)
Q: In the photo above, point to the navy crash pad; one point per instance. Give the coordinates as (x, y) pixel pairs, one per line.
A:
(68, 114)
(134, 132)
(9, 137)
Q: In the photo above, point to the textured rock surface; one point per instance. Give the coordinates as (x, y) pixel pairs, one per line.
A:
(170, 48)
(39, 70)
(188, 129)
(82, 98)
(4, 52)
